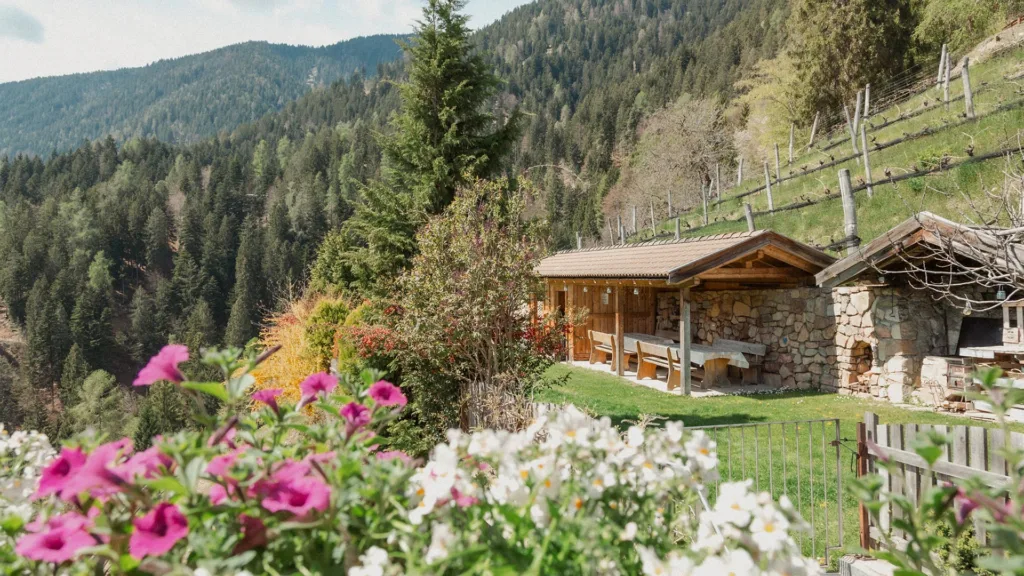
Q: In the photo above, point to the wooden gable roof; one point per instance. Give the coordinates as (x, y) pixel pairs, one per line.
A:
(744, 258)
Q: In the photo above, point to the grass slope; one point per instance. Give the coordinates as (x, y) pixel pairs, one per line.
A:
(797, 471)
(942, 193)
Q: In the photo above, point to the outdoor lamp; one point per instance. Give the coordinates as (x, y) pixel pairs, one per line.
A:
(584, 289)
(1001, 294)
(636, 291)
(608, 290)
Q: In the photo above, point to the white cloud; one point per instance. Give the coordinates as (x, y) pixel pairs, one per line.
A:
(20, 25)
(88, 35)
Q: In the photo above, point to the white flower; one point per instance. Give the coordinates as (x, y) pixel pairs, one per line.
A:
(674, 431)
(651, 564)
(700, 448)
(736, 562)
(629, 532)
(440, 541)
(373, 562)
(792, 565)
(768, 530)
(734, 504)
(634, 437)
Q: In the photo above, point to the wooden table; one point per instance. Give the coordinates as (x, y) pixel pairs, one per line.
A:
(716, 361)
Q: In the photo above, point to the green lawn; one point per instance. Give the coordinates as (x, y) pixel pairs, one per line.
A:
(745, 454)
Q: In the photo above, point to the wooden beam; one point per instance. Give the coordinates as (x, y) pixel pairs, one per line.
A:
(685, 332)
(752, 274)
(570, 308)
(792, 260)
(620, 325)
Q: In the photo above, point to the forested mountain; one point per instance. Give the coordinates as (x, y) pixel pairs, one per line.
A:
(180, 100)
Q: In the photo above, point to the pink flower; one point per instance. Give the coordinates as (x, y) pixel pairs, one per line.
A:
(220, 465)
(385, 393)
(462, 500)
(356, 415)
(63, 537)
(97, 474)
(163, 366)
(217, 494)
(321, 383)
(56, 476)
(300, 497)
(157, 532)
(268, 397)
(322, 457)
(394, 455)
(145, 464)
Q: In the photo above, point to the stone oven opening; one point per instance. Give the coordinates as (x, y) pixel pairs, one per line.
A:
(860, 366)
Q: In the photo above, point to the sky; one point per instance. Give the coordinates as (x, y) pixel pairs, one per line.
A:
(55, 37)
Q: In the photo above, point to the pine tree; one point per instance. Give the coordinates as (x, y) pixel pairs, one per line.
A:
(91, 325)
(200, 327)
(101, 407)
(147, 329)
(242, 322)
(158, 249)
(164, 411)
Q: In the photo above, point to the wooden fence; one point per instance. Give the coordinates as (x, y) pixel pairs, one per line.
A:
(974, 451)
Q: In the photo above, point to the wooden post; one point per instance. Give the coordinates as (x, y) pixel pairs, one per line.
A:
(945, 83)
(814, 130)
(867, 101)
(778, 170)
(862, 470)
(849, 209)
(739, 172)
(579, 241)
(669, 194)
(718, 182)
(533, 309)
(570, 307)
(750, 217)
(622, 237)
(849, 124)
(677, 228)
(856, 112)
(611, 235)
(942, 66)
(792, 128)
(968, 95)
(620, 329)
(768, 187)
(654, 227)
(634, 219)
(704, 198)
(867, 164)
(685, 331)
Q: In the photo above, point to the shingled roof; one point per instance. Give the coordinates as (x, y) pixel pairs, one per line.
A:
(678, 260)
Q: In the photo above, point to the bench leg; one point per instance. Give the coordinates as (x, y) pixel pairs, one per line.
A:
(673, 379)
(716, 372)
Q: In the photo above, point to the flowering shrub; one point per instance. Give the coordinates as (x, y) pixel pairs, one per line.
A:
(271, 490)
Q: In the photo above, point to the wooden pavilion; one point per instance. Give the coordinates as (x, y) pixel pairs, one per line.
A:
(619, 285)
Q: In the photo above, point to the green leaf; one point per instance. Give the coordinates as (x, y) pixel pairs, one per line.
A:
(12, 524)
(929, 452)
(238, 386)
(128, 563)
(192, 471)
(215, 389)
(166, 484)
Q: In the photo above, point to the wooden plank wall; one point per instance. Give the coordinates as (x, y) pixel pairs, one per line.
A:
(973, 447)
(639, 313)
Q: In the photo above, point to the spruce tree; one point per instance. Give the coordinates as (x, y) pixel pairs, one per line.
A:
(101, 407)
(443, 138)
(242, 323)
(164, 411)
(158, 249)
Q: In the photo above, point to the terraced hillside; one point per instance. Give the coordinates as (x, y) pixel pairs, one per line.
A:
(923, 155)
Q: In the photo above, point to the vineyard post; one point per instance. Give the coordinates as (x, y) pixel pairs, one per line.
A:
(778, 171)
(849, 124)
(968, 95)
(768, 187)
(857, 112)
(849, 209)
(718, 182)
(677, 228)
(704, 191)
(739, 173)
(792, 127)
(654, 229)
(750, 217)
(942, 66)
(814, 130)
(867, 101)
(945, 83)
(867, 164)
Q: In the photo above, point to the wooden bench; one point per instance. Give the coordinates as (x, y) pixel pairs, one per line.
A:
(650, 357)
(754, 353)
(601, 346)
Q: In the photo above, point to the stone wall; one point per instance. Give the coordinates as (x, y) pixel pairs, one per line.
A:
(865, 341)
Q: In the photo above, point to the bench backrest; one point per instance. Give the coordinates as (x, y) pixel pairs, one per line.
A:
(744, 347)
(601, 337)
(656, 350)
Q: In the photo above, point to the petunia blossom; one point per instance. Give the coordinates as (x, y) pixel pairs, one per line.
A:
(385, 393)
(254, 534)
(60, 472)
(299, 497)
(163, 366)
(356, 415)
(268, 397)
(317, 384)
(157, 532)
(61, 539)
(394, 455)
(145, 464)
(97, 475)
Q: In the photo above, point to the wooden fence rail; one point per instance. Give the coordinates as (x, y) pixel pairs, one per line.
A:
(974, 451)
